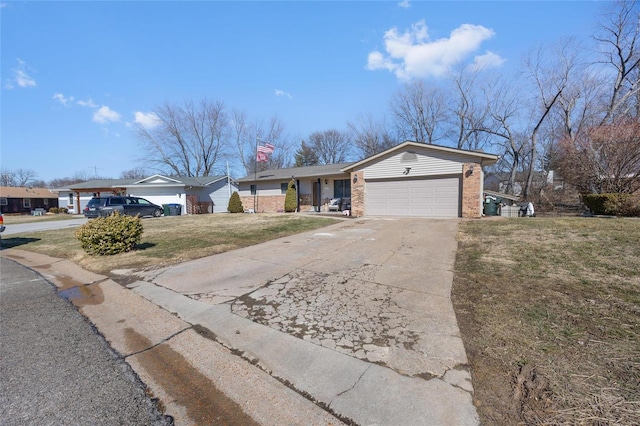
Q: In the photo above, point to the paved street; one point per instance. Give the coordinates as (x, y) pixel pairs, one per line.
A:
(20, 228)
(54, 367)
(351, 323)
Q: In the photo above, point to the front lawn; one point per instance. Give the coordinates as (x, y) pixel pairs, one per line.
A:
(172, 239)
(549, 310)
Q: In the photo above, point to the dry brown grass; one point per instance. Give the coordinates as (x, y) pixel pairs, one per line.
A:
(173, 239)
(549, 310)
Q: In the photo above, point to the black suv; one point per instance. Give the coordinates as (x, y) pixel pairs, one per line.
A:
(131, 206)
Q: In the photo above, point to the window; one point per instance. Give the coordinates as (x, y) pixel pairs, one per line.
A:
(283, 188)
(116, 201)
(341, 188)
(46, 201)
(3, 202)
(70, 199)
(26, 203)
(253, 189)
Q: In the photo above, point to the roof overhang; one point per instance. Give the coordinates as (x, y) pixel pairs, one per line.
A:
(483, 158)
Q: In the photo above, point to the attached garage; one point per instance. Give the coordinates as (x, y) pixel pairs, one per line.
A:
(420, 180)
(426, 197)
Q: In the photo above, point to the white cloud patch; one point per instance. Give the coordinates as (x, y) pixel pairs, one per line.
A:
(148, 120)
(88, 103)
(104, 115)
(413, 54)
(279, 93)
(488, 60)
(20, 76)
(406, 4)
(60, 98)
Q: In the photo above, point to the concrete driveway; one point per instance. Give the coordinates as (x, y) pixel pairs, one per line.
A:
(357, 316)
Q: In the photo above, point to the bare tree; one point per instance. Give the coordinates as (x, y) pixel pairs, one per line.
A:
(189, 140)
(618, 40)
(370, 136)
(331, 146)
(248, 135)
(469, 114)
(604, 159)
(420, 112)
(19, 177)
(135, 173)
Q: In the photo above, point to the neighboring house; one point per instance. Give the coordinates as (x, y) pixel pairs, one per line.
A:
(500, 181)
(194, 194)
(25, 200)
(410, 179)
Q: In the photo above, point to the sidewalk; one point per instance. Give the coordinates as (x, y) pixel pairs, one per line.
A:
(205, 347)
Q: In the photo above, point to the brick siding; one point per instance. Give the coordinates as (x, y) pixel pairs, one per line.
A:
(357, 194)
(471, 184)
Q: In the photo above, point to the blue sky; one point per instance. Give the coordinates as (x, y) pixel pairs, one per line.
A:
(77, 76)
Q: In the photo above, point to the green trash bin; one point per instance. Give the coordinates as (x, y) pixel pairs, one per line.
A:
(165, 208)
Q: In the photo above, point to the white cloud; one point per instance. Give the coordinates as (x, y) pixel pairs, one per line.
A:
(405, 4)
(413, 54)
(60, 98)
(147, 120)
(105, 114)
(488, 60)
(88, 103)
(20, 76)
(279, 92)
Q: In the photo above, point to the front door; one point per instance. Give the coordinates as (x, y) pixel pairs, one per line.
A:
(316, 196)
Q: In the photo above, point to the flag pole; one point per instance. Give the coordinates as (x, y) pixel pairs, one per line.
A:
(255, 176)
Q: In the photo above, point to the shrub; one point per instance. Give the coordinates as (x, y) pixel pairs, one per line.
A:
(612, 204)
(235, 204)
(53, 210)
(63, 210)
(110, 235)
(290, 203)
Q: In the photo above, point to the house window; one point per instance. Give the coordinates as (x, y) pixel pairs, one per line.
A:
(283, 188)
(341, 188)
(3, 202)
(46, 201)
(26, 203)
(70, 199)
(253, 189)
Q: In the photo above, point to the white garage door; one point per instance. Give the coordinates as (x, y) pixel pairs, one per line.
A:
(415, 197)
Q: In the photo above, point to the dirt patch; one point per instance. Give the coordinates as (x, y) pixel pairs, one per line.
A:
(549, 311)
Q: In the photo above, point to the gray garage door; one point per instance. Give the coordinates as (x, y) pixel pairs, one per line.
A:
(415, 197)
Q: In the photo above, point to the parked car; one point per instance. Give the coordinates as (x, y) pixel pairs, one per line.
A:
(2, 228)
(130, 206)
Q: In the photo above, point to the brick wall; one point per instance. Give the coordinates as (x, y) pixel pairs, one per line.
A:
(357, 194)
(471, 184)
(266, 203)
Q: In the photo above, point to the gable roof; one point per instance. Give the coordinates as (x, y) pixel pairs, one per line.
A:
(485, 159)
(151, 181)
(24, 192)
(297, 172)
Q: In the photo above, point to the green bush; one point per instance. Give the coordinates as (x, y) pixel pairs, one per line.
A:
(110, 235)
(63, 210)
(612, 204)
(290, 203)
(235, 204)
(54, 210)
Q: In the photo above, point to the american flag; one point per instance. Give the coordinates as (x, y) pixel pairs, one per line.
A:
(267, 148)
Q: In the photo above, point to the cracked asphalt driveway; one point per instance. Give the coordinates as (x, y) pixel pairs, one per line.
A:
(374, 289)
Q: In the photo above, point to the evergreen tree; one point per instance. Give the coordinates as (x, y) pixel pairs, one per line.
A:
(235, 204)
(306, 156)
(290, 203)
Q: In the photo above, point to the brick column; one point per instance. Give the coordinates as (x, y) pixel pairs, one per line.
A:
(471, 186)
(357, 194)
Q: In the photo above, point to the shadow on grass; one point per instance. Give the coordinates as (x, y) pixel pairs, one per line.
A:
(16, 242)
(144, 246)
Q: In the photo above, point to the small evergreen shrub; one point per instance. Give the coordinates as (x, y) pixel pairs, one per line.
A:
(63, 210)
(235, 203)
(54, 210)
(290, 203)
(606, 204)
(110, 235)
